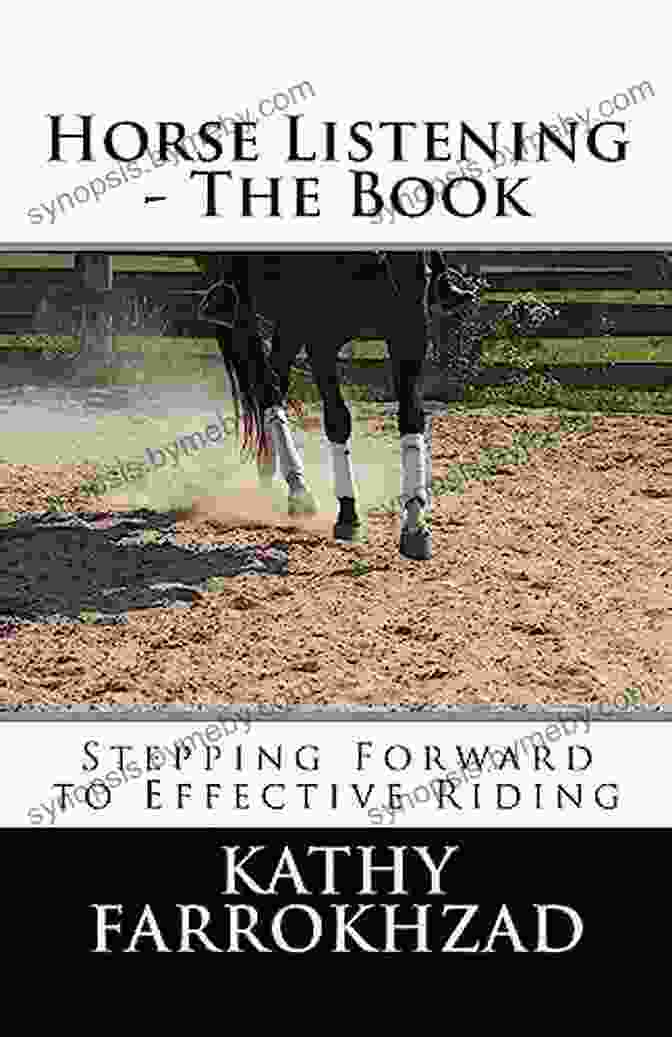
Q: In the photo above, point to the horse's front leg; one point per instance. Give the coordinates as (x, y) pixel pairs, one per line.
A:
(338, 428)
(407, 351)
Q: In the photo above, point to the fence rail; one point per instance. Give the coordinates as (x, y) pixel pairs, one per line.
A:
(439, 385)
(565, 271)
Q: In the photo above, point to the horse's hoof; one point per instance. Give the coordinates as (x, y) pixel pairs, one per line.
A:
(302, 503)
(416, 544)
(347, 531)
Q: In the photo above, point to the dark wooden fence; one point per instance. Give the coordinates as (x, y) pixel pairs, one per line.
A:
(566, 271)
(32, 299)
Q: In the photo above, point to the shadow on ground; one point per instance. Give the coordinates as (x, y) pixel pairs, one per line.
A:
(57, 566)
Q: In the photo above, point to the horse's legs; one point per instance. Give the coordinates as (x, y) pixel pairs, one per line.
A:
(283, 448)
(408, 346)
(281, 360)
(338, 428)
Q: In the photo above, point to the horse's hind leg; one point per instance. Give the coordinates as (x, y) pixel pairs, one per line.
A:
(267, 461)
(338, 428)
(407, 351)
(283, 452)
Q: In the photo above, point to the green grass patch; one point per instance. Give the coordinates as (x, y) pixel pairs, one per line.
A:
(539, 393)
(89, 615)
(216, 584)
(164, 360)
(633, 297)
(585, 351)
(154, 265)
(368, 349)
(371, 353)
(35, 261)
(120, 264)
(150, 536)
(150, 344)
(632, 696)
(40, 343)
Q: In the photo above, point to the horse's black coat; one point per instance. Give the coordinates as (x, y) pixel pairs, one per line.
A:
(320, 300)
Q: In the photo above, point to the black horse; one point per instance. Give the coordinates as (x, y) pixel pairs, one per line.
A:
(324, 300)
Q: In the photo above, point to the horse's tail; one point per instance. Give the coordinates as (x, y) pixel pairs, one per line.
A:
(250, 376)
(254, 384)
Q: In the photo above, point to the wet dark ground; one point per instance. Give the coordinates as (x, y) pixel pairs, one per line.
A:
(54, 567)
(57, 566)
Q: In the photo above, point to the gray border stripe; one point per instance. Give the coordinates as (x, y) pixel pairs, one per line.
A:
(335, 246)
(402, 714)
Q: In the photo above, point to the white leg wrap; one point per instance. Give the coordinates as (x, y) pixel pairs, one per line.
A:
(286, 456)
(413, 469)
(344, 480)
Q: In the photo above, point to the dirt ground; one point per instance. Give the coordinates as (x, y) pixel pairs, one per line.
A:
(550, 584)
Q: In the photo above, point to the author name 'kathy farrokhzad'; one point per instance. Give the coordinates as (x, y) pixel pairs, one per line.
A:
(346, 873)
